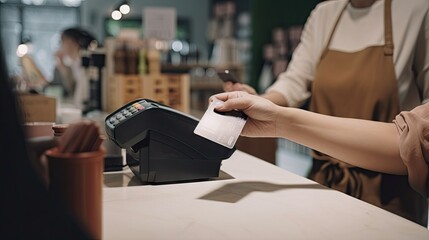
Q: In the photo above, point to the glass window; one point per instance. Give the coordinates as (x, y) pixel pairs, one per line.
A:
(42, 24)
(10, 32)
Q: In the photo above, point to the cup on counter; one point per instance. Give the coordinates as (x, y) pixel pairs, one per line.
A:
(77, 179)
(38, 129)
(69, 115)
(59, 130)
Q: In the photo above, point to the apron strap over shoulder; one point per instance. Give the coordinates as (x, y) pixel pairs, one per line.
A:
(388, 36)
(333, 30)
(388, 33)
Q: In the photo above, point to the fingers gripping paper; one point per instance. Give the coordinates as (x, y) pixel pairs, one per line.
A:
(223, 128)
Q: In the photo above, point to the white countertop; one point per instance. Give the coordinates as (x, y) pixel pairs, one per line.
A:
(256, 201)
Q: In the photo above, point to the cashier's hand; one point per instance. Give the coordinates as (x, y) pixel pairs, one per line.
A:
(230, 87)
(262, 113)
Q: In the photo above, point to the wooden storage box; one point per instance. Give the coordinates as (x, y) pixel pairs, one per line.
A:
(169, 89)
(38, 108)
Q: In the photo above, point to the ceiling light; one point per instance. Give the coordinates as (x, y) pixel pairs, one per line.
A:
(116, 15)
(124, 8)
(177, 46)
(21, 50)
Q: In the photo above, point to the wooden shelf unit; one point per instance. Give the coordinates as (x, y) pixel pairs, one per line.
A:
(169, 89)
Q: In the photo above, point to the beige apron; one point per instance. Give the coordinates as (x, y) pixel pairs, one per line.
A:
(363, 85)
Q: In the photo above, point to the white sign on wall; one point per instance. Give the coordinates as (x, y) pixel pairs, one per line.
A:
(159, 23)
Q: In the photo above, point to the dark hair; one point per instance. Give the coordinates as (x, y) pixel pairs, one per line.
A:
(26, 208)
(80, 36)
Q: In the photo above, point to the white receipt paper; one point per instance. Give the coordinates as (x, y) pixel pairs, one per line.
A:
(222, 128)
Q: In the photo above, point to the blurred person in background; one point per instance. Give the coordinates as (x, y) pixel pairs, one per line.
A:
(69, 72)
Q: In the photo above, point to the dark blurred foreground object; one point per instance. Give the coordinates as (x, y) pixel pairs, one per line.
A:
(27, 211)
(76, 173)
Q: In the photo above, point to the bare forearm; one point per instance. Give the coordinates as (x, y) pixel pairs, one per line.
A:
(276, 98)
(366, 144)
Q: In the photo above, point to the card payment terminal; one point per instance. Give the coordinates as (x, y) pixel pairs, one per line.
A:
(161, 145)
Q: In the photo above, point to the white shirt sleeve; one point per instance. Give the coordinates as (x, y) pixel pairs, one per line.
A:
(294, 83)
(421, 60)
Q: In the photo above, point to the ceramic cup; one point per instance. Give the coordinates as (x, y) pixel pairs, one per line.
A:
(38, 129)
(77, 179)
(70, 115)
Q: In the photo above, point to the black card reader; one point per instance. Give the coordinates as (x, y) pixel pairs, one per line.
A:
(161, 145)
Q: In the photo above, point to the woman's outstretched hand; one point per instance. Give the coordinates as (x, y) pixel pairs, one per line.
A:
(262, 113)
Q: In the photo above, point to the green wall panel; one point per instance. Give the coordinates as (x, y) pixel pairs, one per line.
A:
(269, 14)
